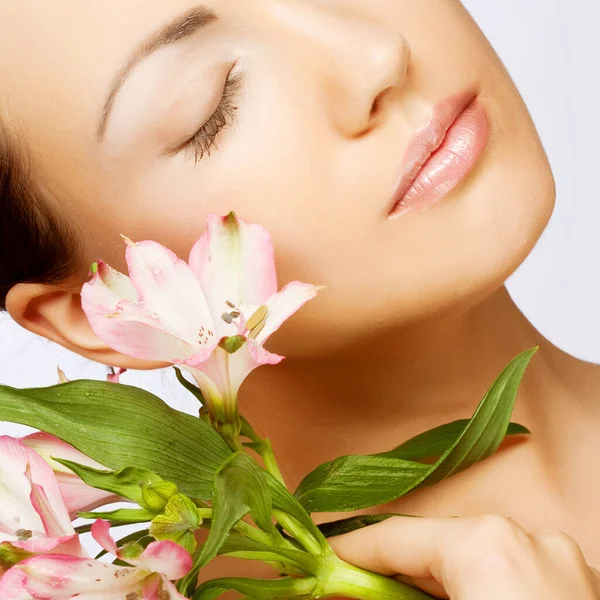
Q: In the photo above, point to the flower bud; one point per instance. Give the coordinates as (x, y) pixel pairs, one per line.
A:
(155, 496)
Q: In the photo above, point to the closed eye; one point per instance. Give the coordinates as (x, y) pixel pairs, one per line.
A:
(207, 136)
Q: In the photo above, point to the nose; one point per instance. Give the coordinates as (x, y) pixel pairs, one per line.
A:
(361, 64)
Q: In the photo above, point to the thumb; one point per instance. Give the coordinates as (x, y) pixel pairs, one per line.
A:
(439, 555)
(413, 546)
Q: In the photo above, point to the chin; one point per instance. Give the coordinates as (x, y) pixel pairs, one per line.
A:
(440, 262)
(349, 319)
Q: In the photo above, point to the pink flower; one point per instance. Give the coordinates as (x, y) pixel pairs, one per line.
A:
(115, 377)
(45, 558)
(33, 515)
(212, 316)
(65, 577)
(79, 497)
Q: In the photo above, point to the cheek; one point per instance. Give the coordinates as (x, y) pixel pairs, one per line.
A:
(327, 227)
(322, 201)
(385, 276)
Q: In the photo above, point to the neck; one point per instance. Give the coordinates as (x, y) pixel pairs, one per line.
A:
(316, 410)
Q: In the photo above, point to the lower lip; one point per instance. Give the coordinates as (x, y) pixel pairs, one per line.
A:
(449, 164)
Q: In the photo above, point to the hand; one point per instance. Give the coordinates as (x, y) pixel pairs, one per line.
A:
(485, 557)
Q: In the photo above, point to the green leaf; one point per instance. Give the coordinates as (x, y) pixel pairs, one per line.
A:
(240, 488)
(342, 526)
(126, 482)
(283, 500)
(122, 515)
(488, 425)
(435, 442)
(119, 426)
(257, 589)
(356, 482)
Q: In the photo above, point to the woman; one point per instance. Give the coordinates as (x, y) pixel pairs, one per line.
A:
(307, 116)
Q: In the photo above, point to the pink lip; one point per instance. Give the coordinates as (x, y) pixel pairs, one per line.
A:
(441, 154)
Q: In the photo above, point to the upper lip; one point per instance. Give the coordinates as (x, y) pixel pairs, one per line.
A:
(427, 140)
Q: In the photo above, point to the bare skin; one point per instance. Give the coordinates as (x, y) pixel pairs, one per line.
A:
(415, 323)
(541, 481)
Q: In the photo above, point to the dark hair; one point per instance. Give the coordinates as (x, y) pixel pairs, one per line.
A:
(36, 244)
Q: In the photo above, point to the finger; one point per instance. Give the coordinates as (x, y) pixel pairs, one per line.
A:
(408, 545)
(404, 545)
(596, 576)
(429, 585)
(469, 557)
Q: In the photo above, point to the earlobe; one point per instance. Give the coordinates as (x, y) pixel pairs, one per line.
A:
(54, 312)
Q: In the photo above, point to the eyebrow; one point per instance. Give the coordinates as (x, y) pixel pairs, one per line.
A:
(182, 27)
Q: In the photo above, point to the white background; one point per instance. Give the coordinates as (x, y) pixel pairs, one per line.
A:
(552, 49)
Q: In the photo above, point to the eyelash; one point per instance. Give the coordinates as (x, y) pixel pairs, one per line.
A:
(206, 137)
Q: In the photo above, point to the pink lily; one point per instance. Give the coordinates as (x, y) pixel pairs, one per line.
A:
(33, 515)
(212, 316)
(79, 497)
(115, 377)
(64, 577)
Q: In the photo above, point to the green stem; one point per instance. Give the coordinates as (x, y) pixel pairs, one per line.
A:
(255, 534)
(270, 461)
(251, 532)
(349, 581)
(297, 530)
(293, 527)
(205, 513)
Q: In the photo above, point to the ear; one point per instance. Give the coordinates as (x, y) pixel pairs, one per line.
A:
(54, 312)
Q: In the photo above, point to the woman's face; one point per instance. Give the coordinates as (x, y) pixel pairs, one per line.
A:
(328, 95)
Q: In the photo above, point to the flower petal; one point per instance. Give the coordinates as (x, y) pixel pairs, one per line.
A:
(168, 287)
(101, 533)
(221, 377)
(211, 390)
(263, 357)
(234, 262)
(283, 305)
(245, 360)
(116, 376)
(16, 509)
(157, 588)
(78, 496)
(47, 446)
(51, 517)
(118, 283)
(12, 585)
(128, 328)
(61, 577)
(165, 557)
(69, 544)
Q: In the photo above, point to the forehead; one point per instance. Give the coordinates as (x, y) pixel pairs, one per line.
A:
(64, 53)
(58, 61)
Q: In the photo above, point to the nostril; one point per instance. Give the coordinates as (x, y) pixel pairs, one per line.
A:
(377, 102)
